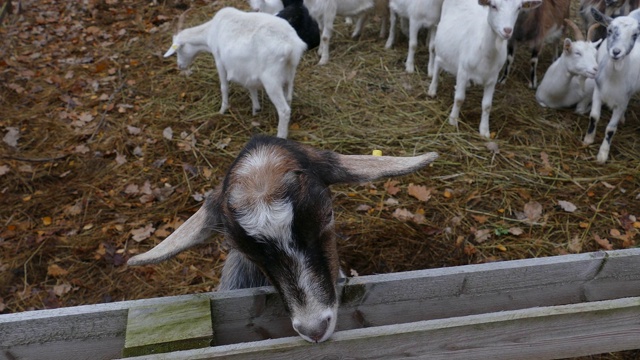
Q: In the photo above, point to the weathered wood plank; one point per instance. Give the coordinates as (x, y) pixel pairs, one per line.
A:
(255, 314)
(168, 327)
(535, 333)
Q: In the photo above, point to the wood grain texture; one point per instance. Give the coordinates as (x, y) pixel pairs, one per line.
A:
(368, 301)
(536, 333)
(169, 327)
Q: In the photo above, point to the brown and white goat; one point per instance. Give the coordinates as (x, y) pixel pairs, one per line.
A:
(544, 24)
(611, 8)
(274, 208)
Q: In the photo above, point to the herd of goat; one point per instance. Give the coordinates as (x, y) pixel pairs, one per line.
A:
(274, 204)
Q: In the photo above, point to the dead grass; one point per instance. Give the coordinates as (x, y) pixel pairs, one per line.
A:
(362, 100)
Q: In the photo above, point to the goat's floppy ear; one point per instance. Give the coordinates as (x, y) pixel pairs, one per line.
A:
(601, 18)
(361, 168)
(196, 230)
(172, 50)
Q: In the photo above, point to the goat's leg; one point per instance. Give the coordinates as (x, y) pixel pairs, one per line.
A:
(360, 23)
(325, 38)
(533, 82)
(384, 20)
(432, 50)
(275, 91)
(224, 89)
(414, 27)
(458, 99)
(433, 87)
(612, 127)
(239, 272)
(392, 30)
(255, 101)
(507, 66)
(594, 117)
(487, 99)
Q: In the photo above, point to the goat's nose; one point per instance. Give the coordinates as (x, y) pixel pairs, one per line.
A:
(507, 31)
(615, 52)
(314, 331)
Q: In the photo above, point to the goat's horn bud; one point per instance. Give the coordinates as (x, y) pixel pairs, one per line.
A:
(576, 30)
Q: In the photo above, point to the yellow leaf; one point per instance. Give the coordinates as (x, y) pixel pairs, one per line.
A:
(447, 193)
(583, 225)
(501, 247)
(55, 270)
(294, 126)
(26, 198)
(636, 224)
(47, 220)
(87, 227)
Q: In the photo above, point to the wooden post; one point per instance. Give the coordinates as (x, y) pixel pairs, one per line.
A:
(168, 327)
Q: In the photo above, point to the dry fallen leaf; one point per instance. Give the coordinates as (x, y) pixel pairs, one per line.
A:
(363, 208)
(167, 133)
(55, 270)
(532, 211)
(483, 235)
(61, 289)
(402, 214)
(4, 169)
(391, 187)
(47, 220)
(12, 136)
(481, 219)
(516, 231)
(604, 243)
(575, 245)
(419, 192)
(142, 233)
(120, 158)
(567, 206)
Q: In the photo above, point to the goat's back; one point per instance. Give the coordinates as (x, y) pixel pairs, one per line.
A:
(250, 45)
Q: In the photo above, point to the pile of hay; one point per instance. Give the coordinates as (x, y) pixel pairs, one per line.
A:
(95, 167)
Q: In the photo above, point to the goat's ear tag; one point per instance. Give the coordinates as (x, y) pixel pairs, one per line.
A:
(175, 46)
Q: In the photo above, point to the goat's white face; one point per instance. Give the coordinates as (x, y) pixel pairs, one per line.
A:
(622, 33)
(504, 13)
(185, 51)
(581, 57)
(274, 207)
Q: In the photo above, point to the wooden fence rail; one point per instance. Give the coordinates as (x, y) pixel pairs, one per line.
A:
(537, 308)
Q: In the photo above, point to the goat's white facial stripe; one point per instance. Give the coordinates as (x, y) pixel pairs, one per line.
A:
(268, 220)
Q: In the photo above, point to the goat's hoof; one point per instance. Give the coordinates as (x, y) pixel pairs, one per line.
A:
(255, 112)
(431, 94)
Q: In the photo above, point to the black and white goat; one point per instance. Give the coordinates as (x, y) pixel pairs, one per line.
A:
(569, 81)
(297, 14)
(255, 50)
(544, 24)
(618, 77)
(607, 7)
(274, 208)
(471, 43)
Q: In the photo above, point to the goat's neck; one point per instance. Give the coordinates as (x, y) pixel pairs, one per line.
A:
(492, 42)
(197, 35)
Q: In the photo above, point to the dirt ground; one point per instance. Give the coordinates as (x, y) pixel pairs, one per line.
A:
(107, 148)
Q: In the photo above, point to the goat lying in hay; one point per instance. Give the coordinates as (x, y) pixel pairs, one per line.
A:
(274, 208)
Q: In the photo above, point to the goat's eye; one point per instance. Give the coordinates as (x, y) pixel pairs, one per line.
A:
(578, 53)
(635, 36)
(494, 7)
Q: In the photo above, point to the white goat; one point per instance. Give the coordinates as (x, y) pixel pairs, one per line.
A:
(471, 43)
(325, 11)
(252, 49)
(618, 77)
(274, 208)
(569, 81)
(266, 6)
(421, 14)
